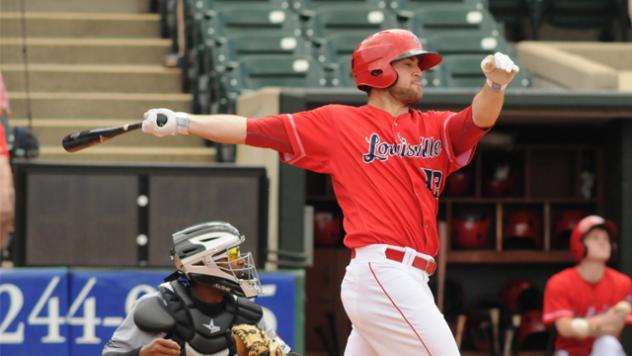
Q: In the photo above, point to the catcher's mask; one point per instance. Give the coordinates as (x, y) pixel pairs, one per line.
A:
(209, 253)
(371, 63)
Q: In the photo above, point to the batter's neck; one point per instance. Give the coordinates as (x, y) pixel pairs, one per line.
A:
(388, 104)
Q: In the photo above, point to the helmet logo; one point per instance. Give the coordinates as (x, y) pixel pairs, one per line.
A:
(376, 73)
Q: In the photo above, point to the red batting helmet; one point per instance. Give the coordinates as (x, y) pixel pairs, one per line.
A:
(471, 230)
(458, 183)
(371, 61)
(578, 249)
(510, 295)
(523, 230)
(565, 225)
(532, 334)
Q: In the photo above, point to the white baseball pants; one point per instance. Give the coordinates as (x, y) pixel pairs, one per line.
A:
(392, 308)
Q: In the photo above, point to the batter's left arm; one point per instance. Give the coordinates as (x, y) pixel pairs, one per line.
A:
(499, 70)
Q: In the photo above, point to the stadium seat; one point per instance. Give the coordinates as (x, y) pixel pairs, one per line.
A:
(333, 21)
(368, 4)
(464, 42)
(453, 17)
(464, 71)
(257, 72)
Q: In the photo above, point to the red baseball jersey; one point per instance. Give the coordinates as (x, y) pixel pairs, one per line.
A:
(567, 294)
(4, 151)
(387, 172)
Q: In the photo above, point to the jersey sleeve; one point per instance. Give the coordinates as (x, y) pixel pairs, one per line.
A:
(312, 136)
(4, 151)
(461, 136)
(626, 288)
(128, 338)
(557, 302)
(268, 132)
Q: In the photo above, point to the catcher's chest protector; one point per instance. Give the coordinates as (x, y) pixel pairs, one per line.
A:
(207, 334)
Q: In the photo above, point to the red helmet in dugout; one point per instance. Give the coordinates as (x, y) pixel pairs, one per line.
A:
(578, 249)
(523, 230)
(470, 229)
(371, 61)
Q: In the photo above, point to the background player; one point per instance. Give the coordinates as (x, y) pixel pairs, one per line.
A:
(582, 301)
(194, 312)
(388, 164)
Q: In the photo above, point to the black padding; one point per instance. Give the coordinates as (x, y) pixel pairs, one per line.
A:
(150, 315)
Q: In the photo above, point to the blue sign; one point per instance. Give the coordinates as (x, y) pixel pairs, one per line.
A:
(71, 313)
(33, 306)
(100, 300)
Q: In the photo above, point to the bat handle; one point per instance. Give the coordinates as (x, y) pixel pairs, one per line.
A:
(161, 119)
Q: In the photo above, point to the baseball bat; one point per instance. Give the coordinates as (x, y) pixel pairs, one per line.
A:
(79, 140)
(460, 328)
(494, 316)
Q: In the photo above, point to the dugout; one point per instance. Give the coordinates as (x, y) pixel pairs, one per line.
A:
(557, 135)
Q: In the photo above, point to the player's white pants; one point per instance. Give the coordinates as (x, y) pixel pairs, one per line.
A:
(392, 308)
(603, 346)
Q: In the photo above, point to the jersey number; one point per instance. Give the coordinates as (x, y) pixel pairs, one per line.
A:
(433, 180)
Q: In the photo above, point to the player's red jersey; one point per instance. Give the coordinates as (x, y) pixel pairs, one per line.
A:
(567, 294)
(4, 151)
(387, 172)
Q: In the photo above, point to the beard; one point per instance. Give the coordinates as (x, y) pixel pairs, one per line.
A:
(406, 95)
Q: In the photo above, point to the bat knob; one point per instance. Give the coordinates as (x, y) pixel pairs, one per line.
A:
(161, 119)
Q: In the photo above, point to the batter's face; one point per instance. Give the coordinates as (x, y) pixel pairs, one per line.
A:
(407, 89)
(597, 243)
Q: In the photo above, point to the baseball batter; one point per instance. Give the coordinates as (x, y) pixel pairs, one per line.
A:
(589, 304)
(388, 163)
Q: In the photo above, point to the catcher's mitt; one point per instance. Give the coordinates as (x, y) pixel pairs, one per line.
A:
(251, 341)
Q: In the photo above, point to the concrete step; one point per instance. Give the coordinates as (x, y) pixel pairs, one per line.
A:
(113, 6)
(106, 152)
(93, 78)
(51, 132)
(140, 51)
(80, 25)
(99, 105)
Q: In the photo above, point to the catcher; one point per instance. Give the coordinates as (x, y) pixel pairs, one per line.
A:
(203, 307)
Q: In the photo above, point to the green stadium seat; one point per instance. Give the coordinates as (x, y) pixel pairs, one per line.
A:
(405, 4)
(333, 21)
(323, 4)
(464, 71)
(464, 42)
(453, 17)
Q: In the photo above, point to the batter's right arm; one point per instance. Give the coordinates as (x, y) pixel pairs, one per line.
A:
(221, 128)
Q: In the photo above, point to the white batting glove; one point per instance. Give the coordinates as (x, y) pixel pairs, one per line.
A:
(499, 70)
(164, 122)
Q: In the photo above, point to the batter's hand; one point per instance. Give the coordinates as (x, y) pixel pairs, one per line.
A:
(160, 347)
(164, 122)
(499, 69)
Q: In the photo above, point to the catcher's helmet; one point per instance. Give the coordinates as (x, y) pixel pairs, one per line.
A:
(578, 249)
(470, 229)
(522, 230)
(565, 225)
(209, 253)
(371, 61)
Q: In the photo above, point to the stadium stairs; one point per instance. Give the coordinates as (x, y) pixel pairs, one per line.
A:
(92, 63)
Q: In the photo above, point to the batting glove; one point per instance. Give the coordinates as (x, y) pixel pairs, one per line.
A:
(499, 70)
(164, 122)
